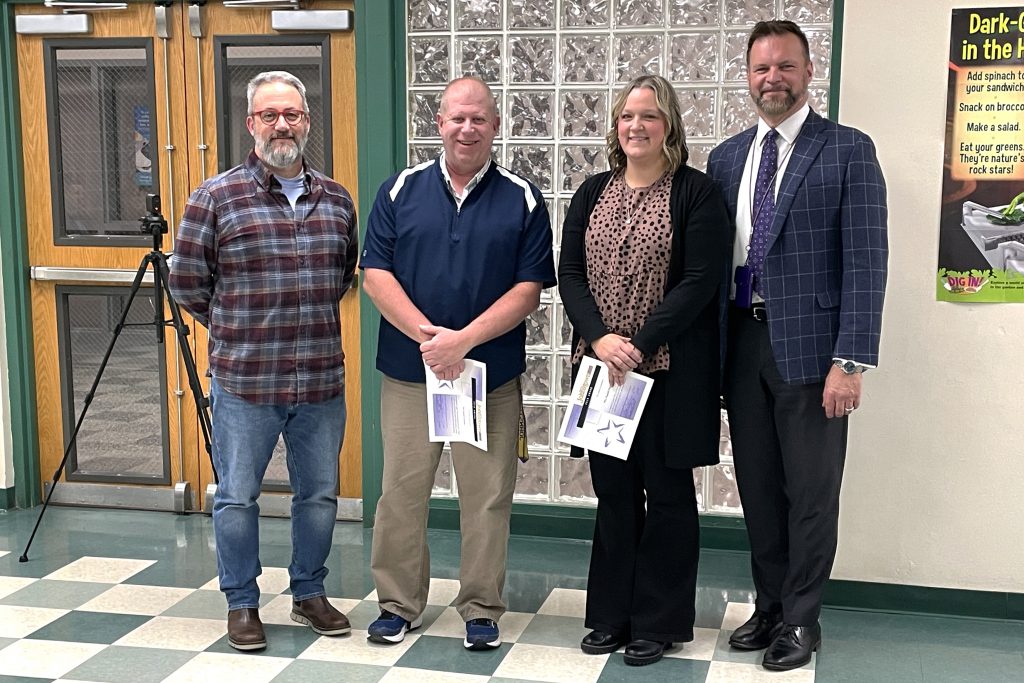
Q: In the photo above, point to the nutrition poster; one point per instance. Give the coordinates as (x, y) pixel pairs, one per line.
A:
(981, 235)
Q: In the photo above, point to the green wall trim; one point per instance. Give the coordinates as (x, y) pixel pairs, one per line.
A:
(549, 521)
(904, 599)
(729, 533)
(835, 67)
(561, 521)
(380, 65)
(14, 258)
(723, 533)
(1015, 606)
(7, 498)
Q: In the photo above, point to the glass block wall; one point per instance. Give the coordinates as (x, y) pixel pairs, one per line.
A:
(555, 66)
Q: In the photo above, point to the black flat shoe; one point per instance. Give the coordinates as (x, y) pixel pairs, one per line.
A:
(757, 633)
(644, 652)
(601, 643)
(792, 648)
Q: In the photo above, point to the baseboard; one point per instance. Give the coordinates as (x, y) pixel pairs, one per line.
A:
(547, 521)
(7, 499)
(729, 533)
(723, 533)
(550, 521)
(904, 599)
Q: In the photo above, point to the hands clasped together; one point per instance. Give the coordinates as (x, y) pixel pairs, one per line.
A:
(619, 354)
(444, 351)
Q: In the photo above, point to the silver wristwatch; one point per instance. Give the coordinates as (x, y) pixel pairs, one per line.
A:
(847, 366)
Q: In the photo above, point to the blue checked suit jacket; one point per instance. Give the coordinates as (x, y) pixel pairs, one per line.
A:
(825, 265)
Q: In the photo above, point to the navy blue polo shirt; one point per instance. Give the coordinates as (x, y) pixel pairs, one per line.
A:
(453, 264)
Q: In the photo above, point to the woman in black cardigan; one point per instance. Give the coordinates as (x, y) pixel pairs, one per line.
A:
(644, 250)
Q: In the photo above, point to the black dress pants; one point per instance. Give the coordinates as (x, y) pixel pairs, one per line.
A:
(643, 567)
(789, 467)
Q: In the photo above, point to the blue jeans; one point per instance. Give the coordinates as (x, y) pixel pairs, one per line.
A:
(244, 437)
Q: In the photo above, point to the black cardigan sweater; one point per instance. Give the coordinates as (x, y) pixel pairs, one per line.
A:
(687, 319)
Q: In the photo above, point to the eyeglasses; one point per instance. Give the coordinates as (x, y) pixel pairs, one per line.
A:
(270, 116)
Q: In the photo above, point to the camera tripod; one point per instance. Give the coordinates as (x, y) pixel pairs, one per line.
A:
(153, 223)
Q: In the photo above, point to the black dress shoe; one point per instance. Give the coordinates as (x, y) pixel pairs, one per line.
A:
(758, 632)
(601, 642)
(792, 648)
(643, 652)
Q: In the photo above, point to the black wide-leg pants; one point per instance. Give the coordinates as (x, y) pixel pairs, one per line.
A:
(643, 568)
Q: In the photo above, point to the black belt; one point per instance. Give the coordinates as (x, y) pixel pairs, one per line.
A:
(756, 311)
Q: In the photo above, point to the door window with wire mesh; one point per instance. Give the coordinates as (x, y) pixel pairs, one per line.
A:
(123, 437)
(240, 58)
(102, 126)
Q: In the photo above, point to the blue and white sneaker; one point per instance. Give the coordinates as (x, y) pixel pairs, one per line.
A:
(389, 628)
(481, 634)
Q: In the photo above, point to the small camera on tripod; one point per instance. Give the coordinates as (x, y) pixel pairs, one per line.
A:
(153, 222)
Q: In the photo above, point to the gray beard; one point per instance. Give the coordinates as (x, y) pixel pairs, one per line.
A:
(775, 106)
(281, 156)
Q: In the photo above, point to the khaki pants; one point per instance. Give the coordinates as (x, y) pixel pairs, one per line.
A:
(400, 559)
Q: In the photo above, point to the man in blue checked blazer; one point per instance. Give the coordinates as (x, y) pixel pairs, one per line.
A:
(804, 322)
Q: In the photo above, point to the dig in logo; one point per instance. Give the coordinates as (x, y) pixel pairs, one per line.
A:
(964, 284)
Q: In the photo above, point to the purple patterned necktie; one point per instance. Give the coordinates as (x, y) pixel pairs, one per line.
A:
(763, 208)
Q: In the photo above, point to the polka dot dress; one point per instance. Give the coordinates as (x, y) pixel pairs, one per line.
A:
(628, 246)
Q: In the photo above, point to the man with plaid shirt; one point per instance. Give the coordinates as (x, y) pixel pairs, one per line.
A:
(264, 253)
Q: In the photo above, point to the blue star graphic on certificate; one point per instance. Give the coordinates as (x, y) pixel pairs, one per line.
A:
(612, 426)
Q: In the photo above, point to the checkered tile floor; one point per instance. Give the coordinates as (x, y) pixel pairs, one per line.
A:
(151, 612)
(91, 620)
(131, 597)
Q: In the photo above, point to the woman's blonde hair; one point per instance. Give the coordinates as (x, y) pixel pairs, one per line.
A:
(674, 146)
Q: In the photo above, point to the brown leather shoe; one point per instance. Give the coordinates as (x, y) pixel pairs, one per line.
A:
(245, 630)
(321, 616)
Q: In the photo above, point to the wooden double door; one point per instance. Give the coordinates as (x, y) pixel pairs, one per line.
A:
(151, 100)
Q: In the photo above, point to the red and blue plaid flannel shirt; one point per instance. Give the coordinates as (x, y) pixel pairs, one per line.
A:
(267, 280)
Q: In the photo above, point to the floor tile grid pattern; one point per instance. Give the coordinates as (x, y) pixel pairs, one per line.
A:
(83, 622)
(121, 596)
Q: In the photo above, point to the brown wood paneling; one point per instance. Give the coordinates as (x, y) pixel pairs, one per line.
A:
(48, 398)
(346, 171)
(186, 448)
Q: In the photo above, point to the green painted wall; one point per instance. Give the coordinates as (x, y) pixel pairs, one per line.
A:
(14, 258)
(380, 68)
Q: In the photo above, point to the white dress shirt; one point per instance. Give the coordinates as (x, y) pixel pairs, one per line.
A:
(787, 131)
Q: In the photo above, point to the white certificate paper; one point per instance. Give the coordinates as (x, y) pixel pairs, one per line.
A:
(457, 409)
(602, 417)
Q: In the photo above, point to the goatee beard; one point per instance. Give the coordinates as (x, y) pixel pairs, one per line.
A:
(281, 156)
(775, 106)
